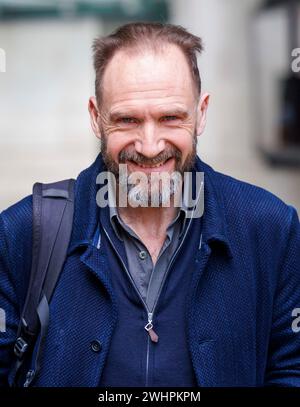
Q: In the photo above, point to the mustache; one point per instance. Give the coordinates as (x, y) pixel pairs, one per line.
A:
(138, 158)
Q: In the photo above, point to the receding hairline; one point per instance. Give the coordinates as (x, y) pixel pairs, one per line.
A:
(142, 50)
(140, 36)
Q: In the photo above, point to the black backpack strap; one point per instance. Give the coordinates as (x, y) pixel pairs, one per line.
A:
(53, 208)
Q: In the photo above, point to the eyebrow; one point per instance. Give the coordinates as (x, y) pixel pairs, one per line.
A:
(169, 112)
(118, 114)
(174, 112)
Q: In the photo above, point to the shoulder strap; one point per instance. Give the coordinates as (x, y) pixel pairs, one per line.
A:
(53, 208)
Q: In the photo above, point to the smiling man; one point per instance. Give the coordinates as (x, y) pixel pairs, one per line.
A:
(148, 121)
(155, 294)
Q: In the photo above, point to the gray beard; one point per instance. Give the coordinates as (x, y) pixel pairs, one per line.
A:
(157, 191)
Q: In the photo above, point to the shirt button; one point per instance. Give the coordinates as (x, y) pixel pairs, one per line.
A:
(96, 346)
(142, 254)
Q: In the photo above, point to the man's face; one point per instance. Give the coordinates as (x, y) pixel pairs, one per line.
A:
(150, 115)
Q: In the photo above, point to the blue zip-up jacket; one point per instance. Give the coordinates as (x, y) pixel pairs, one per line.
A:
(242, 312)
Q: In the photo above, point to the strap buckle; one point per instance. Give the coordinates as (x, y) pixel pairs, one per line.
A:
(20, 347)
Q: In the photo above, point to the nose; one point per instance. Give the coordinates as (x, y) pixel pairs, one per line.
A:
(150, 144)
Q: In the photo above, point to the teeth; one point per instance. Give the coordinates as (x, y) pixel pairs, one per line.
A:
(151, 166)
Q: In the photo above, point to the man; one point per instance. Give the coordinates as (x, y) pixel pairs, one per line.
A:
(158, 295)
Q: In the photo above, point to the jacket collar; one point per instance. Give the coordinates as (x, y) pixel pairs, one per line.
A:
(86, 211)
(214, 224)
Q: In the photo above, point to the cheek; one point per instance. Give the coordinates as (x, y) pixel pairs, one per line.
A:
(182, 140)
(115, 144)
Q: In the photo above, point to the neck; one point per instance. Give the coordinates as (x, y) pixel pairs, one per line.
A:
(150, 221)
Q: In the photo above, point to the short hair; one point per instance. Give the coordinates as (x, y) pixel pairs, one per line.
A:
(140, 35)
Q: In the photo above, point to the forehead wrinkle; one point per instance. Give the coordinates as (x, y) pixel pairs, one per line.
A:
(150, 91)
(142, 99)
(163, 100)
(157, 108)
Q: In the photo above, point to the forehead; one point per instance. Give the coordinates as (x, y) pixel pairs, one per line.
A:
(147, 77)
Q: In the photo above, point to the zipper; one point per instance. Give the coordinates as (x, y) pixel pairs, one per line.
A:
(175, 254)
(169, 266)
(150, 315)
(149, 326)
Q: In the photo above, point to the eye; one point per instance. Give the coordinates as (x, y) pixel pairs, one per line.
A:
(128, 120)
(169, 118)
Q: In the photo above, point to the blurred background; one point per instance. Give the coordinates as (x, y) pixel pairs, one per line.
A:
(250, 67)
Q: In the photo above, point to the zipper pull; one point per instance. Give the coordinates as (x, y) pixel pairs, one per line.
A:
(149, 328)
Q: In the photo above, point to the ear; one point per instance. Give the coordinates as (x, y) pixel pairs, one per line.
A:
(201, 113)
(94, 116)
